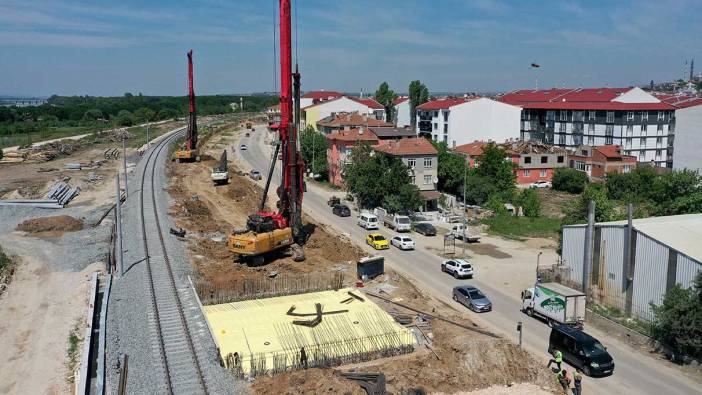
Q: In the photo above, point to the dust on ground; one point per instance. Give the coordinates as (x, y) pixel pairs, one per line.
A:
(34, 327)
(51, 226)
(468, 360)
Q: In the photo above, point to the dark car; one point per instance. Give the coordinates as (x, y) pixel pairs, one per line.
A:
(341, 210)
(472, 298)
(581, 350)
(425, 228)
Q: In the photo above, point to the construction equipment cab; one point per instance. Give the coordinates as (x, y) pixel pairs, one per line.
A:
(188, 152)
(220, 173)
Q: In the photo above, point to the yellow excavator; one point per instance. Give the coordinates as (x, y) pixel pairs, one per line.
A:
(267, 232)
(189, 152)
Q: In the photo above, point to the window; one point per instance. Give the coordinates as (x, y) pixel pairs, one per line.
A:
(660, 129)
(609, 140)
(560, 159)
(659, 140)
(626, 168)
(577, 128)
(591, 115)
(446, 116)
(659, 153)
(584, 152)
(445, 128)
(413, 179)
(661, 115)
(550, 115)
(562, 127)
(642, 142)
(629, 129)
(577, 116)
(642, 156)
(563, 115)
(580, 166)
(527, 159)
(591, 128)
(644, 115)
(446, 139)
(436, 114)
(610, 116)
(544, 159)
(526, 173)
(629, 115)
(542, 173)
(454, 143)
(436, 126)
(628, 142)
(427, 180)
(644, 129)
(428, 162)
(561, 139)
(591, 140)
(411, 162)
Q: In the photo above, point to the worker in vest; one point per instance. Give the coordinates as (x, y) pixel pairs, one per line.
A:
(557, 359)
(564, 379)
(577, 382)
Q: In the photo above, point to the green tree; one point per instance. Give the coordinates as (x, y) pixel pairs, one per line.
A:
(418, 94)
(670, 187)
(569, 180)
(145, 114)
(478, 189)
(313, 146)
(125, 118)
(530, 202)
(632, 187)
(450, 169)
(167, 113)
(496, 166)
(576, 212)
(678, 320)
(386, 96)
(496, 204)
(92, 114)
(408, 198)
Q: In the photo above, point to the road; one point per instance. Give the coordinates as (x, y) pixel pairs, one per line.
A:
(635, 373)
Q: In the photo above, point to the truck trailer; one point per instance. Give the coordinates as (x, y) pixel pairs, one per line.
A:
(555, 303)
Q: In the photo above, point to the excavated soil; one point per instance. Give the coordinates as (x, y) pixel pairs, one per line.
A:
(55, 226)
(312, 381)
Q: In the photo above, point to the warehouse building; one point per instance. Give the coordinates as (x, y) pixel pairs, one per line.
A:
(632, 268)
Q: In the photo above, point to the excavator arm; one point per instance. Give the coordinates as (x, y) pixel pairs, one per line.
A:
(191, 143)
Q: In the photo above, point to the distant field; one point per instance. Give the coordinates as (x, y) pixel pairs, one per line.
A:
(48, 134)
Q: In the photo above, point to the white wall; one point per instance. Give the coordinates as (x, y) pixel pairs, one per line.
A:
(402, 114)
(688, 138)
(481, 119)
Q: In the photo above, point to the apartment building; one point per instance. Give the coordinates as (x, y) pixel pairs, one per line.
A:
(349, 120)
(401, 112)
(419, 155)
(311, 114)
(600, 160)
(457, 121)
(637, 121)
(688, 131)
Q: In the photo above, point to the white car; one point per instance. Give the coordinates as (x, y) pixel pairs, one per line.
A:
(459, 268)
(541, 184)
(242, 147)
(402, 242)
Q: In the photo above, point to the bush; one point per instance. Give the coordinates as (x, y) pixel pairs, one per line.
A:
(569, 180)
(530, 203)
(496, 205)
(576, 212)
(678, 320)
(1, 154)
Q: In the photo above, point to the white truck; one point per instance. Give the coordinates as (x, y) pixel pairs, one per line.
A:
(220, 173)
(400, 223)
(457, 232)
(555, 303)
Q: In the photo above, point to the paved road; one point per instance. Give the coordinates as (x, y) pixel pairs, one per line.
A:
(635, 373)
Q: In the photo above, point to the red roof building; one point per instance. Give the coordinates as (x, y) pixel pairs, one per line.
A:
(420, 156)
(600, 160)
(346, 121)
(320, 96)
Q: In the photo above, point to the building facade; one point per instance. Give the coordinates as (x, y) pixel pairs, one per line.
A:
(419, 155)
(632, 268)
(347, 121)
(600, 160)
(311, 114)
(401, 112)
(637, 121)
(339, 146)
(688, 133)
(458, 121)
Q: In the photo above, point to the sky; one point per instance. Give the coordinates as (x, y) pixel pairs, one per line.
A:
(110, 47)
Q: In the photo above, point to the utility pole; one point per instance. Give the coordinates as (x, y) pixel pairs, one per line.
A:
(124, 161)
(465, 218)
(147, 133)
(587, 256)
(118, 211)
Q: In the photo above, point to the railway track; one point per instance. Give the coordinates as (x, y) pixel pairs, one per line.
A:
(181, 366)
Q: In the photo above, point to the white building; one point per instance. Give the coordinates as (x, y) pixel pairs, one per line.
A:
(401, 113)
(311, 114)
(458, 121)
(688, 134)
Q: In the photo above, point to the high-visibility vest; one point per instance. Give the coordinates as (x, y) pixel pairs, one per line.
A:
(577, 377)
(559, 356)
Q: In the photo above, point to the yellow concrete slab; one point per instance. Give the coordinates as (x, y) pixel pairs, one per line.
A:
(262, 330)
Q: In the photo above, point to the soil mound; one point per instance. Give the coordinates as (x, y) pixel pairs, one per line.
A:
(59, 223)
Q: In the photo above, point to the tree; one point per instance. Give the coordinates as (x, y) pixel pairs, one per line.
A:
(167, 113)
(633, 186)
(386, 96)
(313, 146)
(125, 118)
(145, 114)
(569, 180)
(450, 169)
(92, 114)
(576, 212)
(496, 205)
(418, 94)
(494, 165)
(478, 189)
(670, 187)
(408, 198)
(678, 320)
(530, 203)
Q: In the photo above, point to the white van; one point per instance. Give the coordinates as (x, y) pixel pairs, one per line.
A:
(368, 221)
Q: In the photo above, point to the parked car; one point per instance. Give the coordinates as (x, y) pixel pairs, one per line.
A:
(368, 221)
(459, 268)
(402, 242)
(541, 184)
(425, 229)
(457, 232)
(247, 134)
(242, 147)
(341, 210)
(377, 241)
(255, 174)
(581, 350)
(472, 298)
(400, 223)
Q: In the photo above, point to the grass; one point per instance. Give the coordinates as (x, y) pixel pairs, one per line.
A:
(328, 185)
(513, 227)
(5, 262)
(73, 351)
(48, 134)
(619, 317)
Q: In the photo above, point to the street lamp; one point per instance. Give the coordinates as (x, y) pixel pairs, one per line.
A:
(537, 266)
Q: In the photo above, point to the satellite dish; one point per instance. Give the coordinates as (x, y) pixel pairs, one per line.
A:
(436, 180)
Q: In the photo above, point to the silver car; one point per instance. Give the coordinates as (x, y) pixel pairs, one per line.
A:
(472, 298)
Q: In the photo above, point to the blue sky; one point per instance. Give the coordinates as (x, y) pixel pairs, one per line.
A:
(111, 47)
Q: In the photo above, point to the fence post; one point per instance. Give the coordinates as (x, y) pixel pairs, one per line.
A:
(118, 210)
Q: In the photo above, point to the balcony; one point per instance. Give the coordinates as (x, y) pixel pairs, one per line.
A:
(425, 126)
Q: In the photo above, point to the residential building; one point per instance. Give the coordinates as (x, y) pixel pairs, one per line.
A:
(688, 132)
(315, 97)
(348, 120)
(401, 112)
(311, 114)
(534, 161)
(632, 268)
(375, 109)
(419, 155)
(637, 121)
(600, 160)
(390, 133)
(339, 146)
(457, 121)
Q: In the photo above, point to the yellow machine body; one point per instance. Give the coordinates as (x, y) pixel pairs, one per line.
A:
(185, 155)
(253, 244)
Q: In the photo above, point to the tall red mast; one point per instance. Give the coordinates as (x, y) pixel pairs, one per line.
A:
(191, 144)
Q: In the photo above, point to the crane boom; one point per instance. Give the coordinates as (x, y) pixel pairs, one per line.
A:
(191, 143)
